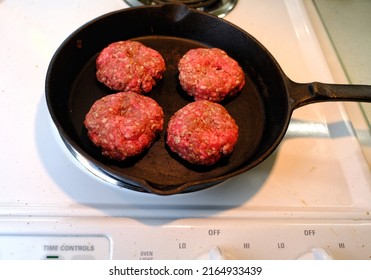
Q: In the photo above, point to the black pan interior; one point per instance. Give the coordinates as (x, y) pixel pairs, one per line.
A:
(260, 110)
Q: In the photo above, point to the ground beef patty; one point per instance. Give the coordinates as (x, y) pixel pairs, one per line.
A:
(124, 124)
(202, 132)
(129, 66)
(210, 74)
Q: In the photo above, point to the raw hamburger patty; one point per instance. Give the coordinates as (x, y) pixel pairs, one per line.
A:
(124, 124)
(129, 66)
(202, 132)
(210, 74)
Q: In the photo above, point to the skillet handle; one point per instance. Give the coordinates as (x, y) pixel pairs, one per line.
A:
(303, 94)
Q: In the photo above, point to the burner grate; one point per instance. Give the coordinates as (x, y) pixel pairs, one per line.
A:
(216, 7)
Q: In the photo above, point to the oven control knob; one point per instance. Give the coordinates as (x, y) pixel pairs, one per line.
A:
(316, 254)
(215, 253)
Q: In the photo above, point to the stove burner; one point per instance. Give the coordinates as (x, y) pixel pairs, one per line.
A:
(215, 7)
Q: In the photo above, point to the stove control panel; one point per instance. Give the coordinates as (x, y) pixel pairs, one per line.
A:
(213, 238)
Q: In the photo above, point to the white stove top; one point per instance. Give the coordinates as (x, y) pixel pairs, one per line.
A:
(317, 174)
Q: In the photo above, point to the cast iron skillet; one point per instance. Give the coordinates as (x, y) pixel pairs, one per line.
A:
(262, 110)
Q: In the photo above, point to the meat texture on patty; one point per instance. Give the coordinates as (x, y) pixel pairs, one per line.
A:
(129, 66)
(124, 124)
(202, 132)
(210, 74)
